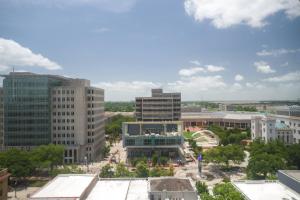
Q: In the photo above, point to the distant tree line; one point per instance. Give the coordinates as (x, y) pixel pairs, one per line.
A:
(246, 108)
(119, 106)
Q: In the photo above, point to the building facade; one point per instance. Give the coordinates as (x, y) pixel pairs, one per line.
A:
(270, 128)
(27, 112)
(43, 109)
(159, 107)
(223, 119)
(148, 138)
(78, 120)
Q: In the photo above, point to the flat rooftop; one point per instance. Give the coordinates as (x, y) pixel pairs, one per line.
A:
(220, 115)
(170, 184)
(65, 186)
(295, 174)
(262, 190)
(120, 189)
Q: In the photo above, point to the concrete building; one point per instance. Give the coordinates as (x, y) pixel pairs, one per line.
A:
(287, 187)
(27, 112)
(240, 120)
(4, 176)
(293, 123)
(276, 127)
(288, 110)
(145, 138)
(171, 188)
(159, 107)
(89, 187)
(43, 109)
(78, 120)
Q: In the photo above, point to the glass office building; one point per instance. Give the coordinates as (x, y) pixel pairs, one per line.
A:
(27, 112)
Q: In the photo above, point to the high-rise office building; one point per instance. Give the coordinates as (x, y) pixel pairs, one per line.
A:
(41, 109)
(159, 107)
(78, 120)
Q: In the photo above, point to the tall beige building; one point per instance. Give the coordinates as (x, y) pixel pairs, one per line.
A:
(78, 120)
(159, 107)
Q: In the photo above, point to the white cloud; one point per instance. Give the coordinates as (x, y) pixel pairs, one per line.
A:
(213, 68)
(238, 77)
(289, 77)
(195, 70)
(236, 86)
(255, 85)
(13, 54)
(227, 13)
(263, 67)
(190, 71)
(126, 90)
(276, 52)
(117, 6)
(195, 62)
(198, 83)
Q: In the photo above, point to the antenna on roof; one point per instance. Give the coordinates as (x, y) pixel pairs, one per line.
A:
(13, 69)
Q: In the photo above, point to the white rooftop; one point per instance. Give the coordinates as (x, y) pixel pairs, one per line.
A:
(262, 190)
(120, 190)
(220, 115)
(65, 186)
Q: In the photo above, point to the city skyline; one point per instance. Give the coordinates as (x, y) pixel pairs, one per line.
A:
(203, 49)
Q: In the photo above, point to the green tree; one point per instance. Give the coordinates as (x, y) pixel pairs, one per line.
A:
(122, 171)
(293, 152)
(226, 191)
(142, 170)
(155, 172)
(264, 164)
(201, 187)
(163, 160)
(224, 154)
(154, 159)
(114, 128)
(107, 171)
(105, 150)
(17, 161)
(223, 191)
(47, 156)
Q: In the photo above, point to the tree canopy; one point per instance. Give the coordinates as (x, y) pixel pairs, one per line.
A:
(230, 136)
(22, 163)
(224, 154)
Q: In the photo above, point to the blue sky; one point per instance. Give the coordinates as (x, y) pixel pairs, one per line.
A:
(206, 49)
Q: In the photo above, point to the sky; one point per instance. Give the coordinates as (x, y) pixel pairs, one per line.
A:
(205, 49)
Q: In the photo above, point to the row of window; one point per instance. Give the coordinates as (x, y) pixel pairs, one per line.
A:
(62, 91)
(63, 106)
(63, 135)
(63, 113)
(63, 99)
(64, 142)
(63, 128)
(63, 120)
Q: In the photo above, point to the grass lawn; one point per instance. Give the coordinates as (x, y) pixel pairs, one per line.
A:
(188, 135)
